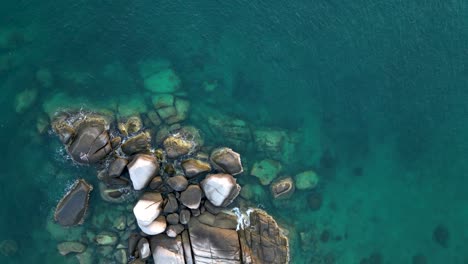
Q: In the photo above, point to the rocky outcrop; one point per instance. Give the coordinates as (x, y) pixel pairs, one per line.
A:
(72, 208)
(167, 250)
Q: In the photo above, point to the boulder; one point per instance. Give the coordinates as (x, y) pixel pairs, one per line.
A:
(177, 183)
(167, 112)
(142, 169)
(220, 189)
(212, 244)
(263, 241)
(227, 161)
(282, 188)
(117, 166)
(194, 167)
(143, 247)
(156, 227)
(184, 216)
(176, 146)
(68, 247)
(163, 100)
(171, 204)
(172, 219)
(182, 108)
(148, 208)
(191, 197)
(130, 125)
(174, 230)
(137, 144)
(72, 208)
(266, 170)
(167, 250)
(306, 180)
(91, 143)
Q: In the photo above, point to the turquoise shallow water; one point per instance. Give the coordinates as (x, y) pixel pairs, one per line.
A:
(374, 92)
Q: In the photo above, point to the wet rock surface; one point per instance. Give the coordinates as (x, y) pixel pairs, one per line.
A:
(72, 208)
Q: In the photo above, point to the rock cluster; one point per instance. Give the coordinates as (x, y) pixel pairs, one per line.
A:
(180, 190)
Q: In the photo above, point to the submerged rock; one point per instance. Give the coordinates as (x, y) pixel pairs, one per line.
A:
(68, 247)
(106, 239)
(220, 189)
(306, 180)
(25, 99)
(72, 208)
(165, 81)
(266, 170)
(226, 160)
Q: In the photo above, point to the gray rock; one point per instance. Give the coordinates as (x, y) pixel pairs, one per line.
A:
(72, 208)
(212, 244)
(117, 166)
(68, 247)
(174, 230)
(212, 208)
(191, 197)
(176, 146)
(132, 243)
(194, 167)
(167, 250)
(184, 216)
(91, 143)
(156, 183)
(143, 247)
(220, 189)
(171, 205)
(137, 144)
(226, 160)
(172, 219)
(177, 183)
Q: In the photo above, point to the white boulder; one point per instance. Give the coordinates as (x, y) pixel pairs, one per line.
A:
(158, 226)
(220, 189)
(142, 169)
(148, 208)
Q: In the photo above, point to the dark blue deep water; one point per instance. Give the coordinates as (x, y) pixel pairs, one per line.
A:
(374, 93)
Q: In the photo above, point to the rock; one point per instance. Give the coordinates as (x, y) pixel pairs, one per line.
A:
(171, 204)
(233, 131)
(306, 180)
(144, 251)
(165, 81)
(220, 189)
(269, 141)
(176, 146)
(184, 216)
(68, 247)
(120, 256)
(163, 100)
(156, 227)
(86, 257)
(211, 208)
(64, 130)
(253, 192)
(167, 250)
(283, 188)
(266, 170)
(106, 239)
(167, 112)
(117, 182)
(131, 125)
(132, 244)
(191, 197)
(172, 219)
(44, 77)
(156, 183)
(142, 169)
(115, 142)
(221, 220)
(116, 194)
(194, 167)
(148, 208)
(226, 160)
(72, 208)
(8, 247)
(137, 144)
(174, 230)
(263, 241)
(182, 108)
(120, 223)
(211, 244)
(25, 99)
(177, 183)
(91, 143)
(117, 166)
(154, 118)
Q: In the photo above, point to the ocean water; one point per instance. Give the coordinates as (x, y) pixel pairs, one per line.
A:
(373, 92)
